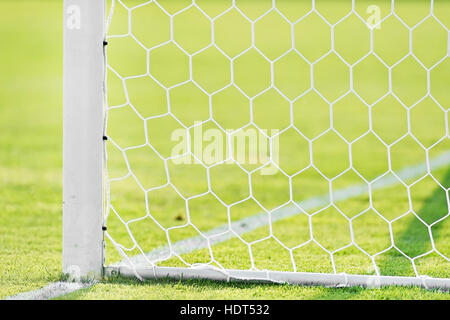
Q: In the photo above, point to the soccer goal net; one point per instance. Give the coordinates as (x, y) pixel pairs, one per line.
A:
(274, 140)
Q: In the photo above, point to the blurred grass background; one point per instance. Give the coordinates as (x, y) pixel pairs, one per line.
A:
(30, 144)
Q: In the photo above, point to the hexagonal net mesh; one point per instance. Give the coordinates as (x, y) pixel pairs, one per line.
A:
(266, 139)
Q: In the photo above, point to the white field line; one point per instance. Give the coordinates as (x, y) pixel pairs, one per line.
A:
(50, 291)
(222, 233)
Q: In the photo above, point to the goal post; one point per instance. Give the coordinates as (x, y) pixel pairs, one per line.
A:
(82, 142)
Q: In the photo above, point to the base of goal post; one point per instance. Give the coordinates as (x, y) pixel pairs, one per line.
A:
(295, 278)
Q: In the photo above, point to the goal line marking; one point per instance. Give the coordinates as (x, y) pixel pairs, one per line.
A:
(50, 291)
(245, 225)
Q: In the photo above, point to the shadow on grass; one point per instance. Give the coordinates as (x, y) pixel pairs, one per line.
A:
(415, 240)
(171, 289)
(210, 289)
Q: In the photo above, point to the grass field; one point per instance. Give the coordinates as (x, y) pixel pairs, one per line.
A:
(31, 132)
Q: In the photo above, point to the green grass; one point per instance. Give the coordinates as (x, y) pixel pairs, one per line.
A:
(30, 144)
(31, 141)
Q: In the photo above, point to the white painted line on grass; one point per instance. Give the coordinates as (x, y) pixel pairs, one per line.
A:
(52, 290)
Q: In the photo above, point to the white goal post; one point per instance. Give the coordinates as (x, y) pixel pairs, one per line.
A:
(83, 134)
(85, 195)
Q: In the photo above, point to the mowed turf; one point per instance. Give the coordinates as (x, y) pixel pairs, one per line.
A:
(31, 160)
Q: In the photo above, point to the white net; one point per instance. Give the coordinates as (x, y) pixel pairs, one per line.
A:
(301, 136)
